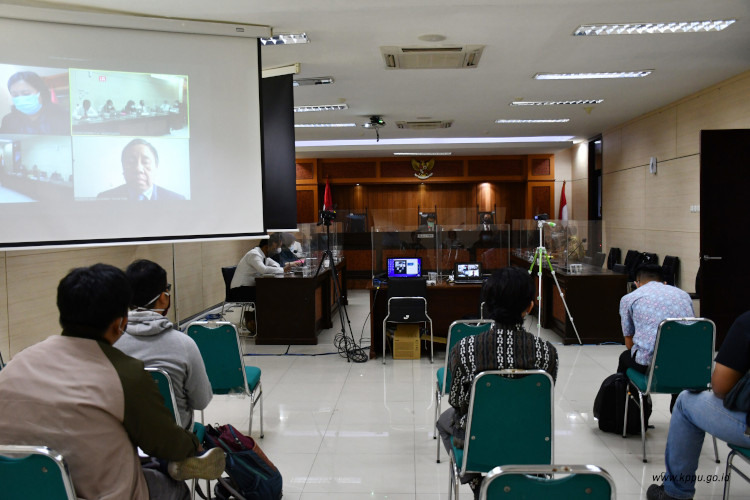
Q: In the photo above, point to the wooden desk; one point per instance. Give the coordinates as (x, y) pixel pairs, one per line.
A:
(292, 309)
(593, 298)
(445, 304)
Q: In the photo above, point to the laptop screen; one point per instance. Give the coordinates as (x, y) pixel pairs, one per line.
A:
(405, 267)
(468, 271)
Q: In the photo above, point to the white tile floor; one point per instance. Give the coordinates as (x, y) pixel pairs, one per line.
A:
(356, 431)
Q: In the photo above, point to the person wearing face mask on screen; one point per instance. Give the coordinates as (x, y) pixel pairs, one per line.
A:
(33, 111)
(152, 338)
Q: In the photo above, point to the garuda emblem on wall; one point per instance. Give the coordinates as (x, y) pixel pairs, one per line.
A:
(422, 169)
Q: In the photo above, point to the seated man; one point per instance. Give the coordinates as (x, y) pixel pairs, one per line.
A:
(509, 297)
(253, 264)
(698, 413)
(286, 254)
(642, 310)
(151, 338)
(93, 404)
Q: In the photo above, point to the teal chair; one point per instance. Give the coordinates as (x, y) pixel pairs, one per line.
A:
(34, 473)
(222, 354)
(538, 482)
(683, 358)
(457, 331)
(735, 451)
(166, 389)
(510, 421)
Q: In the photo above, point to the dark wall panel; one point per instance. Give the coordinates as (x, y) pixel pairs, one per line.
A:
(279, 163)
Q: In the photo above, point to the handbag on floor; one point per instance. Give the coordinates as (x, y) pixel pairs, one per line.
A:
(252, 476)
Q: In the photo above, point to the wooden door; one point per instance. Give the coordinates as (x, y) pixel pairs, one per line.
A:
(723, 287)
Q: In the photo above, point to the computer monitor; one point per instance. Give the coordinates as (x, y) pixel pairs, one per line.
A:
(468, 271)
(405, 267)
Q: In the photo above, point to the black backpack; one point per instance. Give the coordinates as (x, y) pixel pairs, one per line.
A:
(609, 406)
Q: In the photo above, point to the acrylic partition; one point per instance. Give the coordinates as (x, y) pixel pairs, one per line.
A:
(314, 240)
(441, 247)
(566, 242)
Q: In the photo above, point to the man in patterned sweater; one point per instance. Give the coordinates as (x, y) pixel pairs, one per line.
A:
(508, 297)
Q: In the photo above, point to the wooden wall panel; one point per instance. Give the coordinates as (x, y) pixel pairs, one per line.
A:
(188, 261)
(347, 169)
(579, 210)
(623, 193)
(540, 198)
(669, 194)
(491, 167)
(305, 170)
(723, 107)
(306, 205)
(654, 135)
(214, 256)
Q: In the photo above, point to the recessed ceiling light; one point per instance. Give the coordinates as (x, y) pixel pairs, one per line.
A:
(423, 153)
(650, 28)
(322, 107)
(285, 38)
(555, 120)
(319, 80)
(323, 125)
(556, 103)
(587, 76)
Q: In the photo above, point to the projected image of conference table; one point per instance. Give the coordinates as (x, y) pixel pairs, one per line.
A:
(293, 309)
(146, 125)
(446, 303)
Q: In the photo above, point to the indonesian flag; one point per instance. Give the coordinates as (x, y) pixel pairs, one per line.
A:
(327, 202)
(562, 214)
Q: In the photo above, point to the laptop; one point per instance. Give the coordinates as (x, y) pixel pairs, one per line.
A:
(405, 267)
(468, 272)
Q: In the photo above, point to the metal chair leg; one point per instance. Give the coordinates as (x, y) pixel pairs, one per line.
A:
(716, 451)
(384, 340)
(260, 396)
(643, 426)
(625, 418)
(432, 342)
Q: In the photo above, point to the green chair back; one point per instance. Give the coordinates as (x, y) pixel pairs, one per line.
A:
(219, 345)
(683, 355)
(34, 473)
(457, 331)
(164, 383)
(510, 420)
(514, 482)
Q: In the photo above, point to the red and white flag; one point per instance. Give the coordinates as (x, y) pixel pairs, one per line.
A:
(562, 213)
(327, 201)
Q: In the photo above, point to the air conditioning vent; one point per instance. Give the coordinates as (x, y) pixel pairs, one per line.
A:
(425, 125)
(457, 57)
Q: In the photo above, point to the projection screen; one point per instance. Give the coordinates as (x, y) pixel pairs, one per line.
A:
(115, 134)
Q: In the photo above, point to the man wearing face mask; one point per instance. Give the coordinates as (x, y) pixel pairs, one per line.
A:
(93, 404)
(151, 338)
(33, 111)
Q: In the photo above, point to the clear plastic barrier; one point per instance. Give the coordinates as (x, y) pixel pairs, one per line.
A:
(566, 242)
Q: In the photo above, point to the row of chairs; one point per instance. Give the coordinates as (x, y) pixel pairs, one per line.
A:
(36, 472)
(633, 258)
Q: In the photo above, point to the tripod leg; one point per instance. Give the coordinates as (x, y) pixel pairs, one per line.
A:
(562, 296)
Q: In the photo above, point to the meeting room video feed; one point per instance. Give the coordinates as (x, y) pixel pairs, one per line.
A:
(77, 134)
(131, 104)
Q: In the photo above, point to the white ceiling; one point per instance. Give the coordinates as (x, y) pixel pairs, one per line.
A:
(521, 38)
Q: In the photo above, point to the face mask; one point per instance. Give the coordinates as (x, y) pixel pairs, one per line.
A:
(119, 328)
(27, 104)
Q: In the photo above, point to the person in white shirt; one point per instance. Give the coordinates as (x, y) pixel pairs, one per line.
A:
(85, 110)
(254, 263)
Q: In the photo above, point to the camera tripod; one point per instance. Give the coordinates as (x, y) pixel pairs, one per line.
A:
(540, 256)
(342, 341)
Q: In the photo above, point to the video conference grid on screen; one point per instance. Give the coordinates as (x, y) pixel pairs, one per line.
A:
(405, 267)
(81, 134)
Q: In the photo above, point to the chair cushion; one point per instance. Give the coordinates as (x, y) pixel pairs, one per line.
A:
(440, 372)
(200, 431)
(639, 379)
(253, 376)
(740, 449)
(458, 455)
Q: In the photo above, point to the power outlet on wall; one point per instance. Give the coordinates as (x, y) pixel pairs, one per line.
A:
(695, 209)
